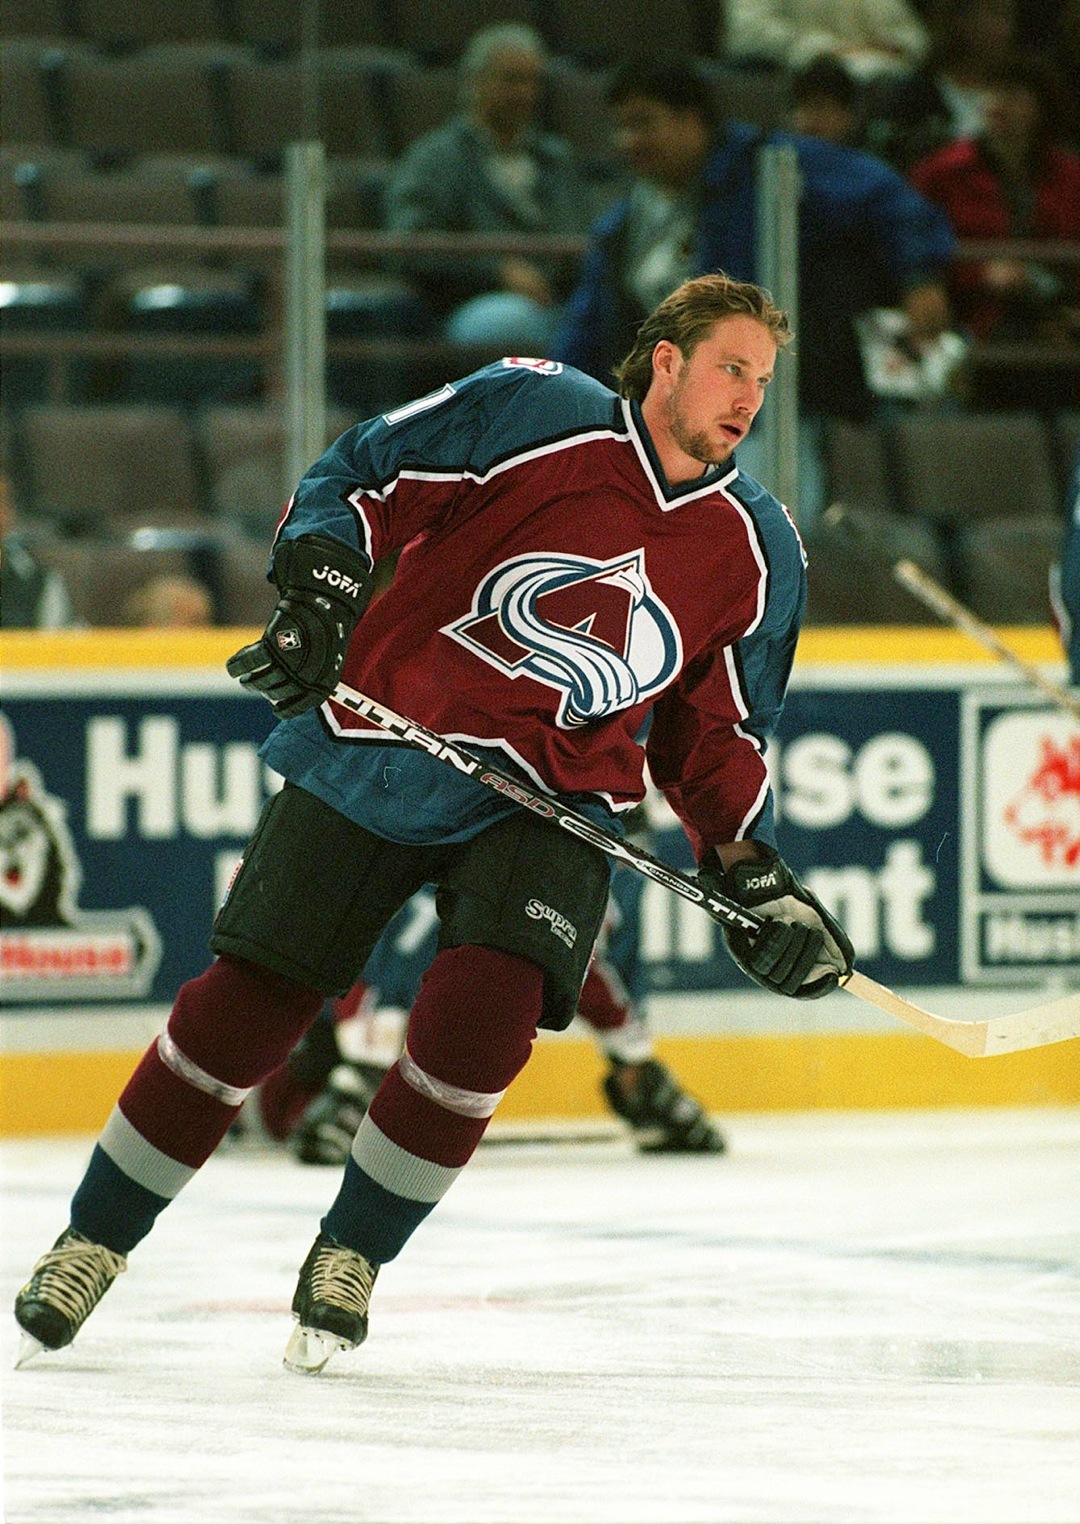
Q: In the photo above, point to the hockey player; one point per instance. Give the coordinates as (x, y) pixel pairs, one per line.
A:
(572, 560)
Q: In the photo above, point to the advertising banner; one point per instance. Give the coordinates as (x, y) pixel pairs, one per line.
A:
(936, 811)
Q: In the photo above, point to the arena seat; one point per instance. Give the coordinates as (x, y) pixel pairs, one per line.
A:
(42, 20)
(101, 574)
(161, 99)
(589, 32)
(956, 467)
(247, 597)
(107, 467)
(119, 24)
(1003, 566)
(242, 448)
(849, 576)
(266, 100)
(29, 109)
(856, 466)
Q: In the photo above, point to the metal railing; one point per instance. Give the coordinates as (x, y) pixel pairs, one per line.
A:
(265, 248)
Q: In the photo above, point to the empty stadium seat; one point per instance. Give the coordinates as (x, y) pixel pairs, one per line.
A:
(243, 452)
(101, 575)
(279, 26)
(160, 99)
(849, 575)
(1003, 566)
(105, 467)
(37, 19)
(119, 23)
(29, 106)
(247, 597)
(591, 32)
(856, 466)
(953, 467)
(268, 104)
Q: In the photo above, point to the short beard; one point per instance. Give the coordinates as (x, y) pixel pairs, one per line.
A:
(695, 444)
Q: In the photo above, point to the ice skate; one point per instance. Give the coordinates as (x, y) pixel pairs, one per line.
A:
(330, 1305)
(326, 1130)
(664, 1119)
(67, 1284)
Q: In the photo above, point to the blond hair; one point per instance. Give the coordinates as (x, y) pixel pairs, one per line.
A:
(688, 315)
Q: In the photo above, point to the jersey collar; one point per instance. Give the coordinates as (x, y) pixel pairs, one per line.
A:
(669, 497)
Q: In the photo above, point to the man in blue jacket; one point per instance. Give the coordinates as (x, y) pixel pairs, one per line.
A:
(866, 238)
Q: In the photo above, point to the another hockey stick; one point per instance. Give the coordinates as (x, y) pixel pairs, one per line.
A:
(933, 596)
(1056, 1022)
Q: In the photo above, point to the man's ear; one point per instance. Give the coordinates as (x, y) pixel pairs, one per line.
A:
(666, 360)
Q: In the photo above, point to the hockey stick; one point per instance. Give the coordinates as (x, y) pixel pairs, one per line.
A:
(978, 1039)
(933, 596)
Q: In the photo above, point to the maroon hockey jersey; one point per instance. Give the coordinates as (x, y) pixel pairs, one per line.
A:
(553, 592)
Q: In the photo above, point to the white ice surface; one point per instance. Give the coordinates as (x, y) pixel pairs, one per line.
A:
(850, 1318)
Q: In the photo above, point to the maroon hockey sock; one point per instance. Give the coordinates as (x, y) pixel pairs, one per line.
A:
(229, 1028)
(470, 1033)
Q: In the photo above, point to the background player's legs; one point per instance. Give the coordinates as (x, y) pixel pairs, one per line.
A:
(637, 1087)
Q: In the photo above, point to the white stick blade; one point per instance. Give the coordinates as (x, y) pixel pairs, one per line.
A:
(1057, 1022)
(1038, 1028)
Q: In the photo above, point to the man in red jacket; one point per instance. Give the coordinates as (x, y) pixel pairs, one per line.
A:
(1012, 181)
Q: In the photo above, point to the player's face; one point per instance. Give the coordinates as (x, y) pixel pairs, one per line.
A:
(705, 405)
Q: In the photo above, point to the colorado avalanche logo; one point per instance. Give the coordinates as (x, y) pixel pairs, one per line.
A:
(594, 630)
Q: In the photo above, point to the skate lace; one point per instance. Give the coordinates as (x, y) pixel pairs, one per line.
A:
(343, 1278)
(74, 1275)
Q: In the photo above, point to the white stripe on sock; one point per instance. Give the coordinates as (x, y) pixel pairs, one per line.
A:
(397, 1170)
(185, 1069)
(140, 1160)
(466, 1103)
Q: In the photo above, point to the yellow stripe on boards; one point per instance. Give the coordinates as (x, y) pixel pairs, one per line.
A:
(45, 1093)
(885, 645)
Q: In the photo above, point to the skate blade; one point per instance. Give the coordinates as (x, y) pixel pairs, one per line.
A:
(309, 1349)
(29, 1349)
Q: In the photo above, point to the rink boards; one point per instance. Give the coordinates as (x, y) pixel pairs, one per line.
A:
(930, 799)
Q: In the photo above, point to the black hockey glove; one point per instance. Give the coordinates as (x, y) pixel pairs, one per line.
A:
(325, 587)
(802, 950)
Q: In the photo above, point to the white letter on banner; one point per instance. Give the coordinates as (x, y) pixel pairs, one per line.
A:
(819, 789)
(149, 777)
(219, 792)
(906, 882)
(894, 780)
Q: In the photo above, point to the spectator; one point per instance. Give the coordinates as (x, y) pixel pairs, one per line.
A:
(945, 98)
(170, 603)
(32, 595)
(823, 102)
(866, 237)
(870, 35)
(489, 170)
(1012, 180)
